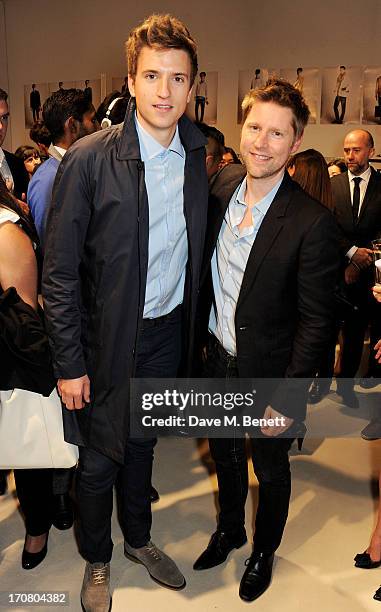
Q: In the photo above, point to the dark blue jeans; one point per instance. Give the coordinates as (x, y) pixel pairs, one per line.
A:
(271, 467)
(158, 356)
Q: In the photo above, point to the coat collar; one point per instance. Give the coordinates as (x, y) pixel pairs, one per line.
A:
(223, 188)
(128, 147)
(271, 225)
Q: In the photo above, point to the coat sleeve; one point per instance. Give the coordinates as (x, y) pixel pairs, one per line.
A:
(66, 231)
(319, 262)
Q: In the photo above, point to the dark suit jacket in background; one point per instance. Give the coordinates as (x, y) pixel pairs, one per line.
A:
(368, 226)
(284, 316)
(19, 174)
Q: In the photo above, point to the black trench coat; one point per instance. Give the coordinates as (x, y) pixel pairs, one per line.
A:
(95, 271)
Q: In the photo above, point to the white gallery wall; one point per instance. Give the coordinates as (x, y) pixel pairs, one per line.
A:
(71, 40)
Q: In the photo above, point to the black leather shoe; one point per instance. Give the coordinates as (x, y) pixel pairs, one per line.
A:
(63, 512)
(318, 391)
(377, 595)
(364, 561)
(154, 495)
(31, 560)
(257, 576)
(220, 545)
(3, 483)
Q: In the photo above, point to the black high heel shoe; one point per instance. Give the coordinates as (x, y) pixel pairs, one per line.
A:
(31, 560)
(363, 561)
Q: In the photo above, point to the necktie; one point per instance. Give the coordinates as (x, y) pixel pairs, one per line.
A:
(356, 198)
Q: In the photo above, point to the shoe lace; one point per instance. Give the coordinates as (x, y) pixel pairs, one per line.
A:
(154, 552)
(99, 574)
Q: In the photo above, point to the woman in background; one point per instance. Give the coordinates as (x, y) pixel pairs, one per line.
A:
(309, 169)
(18, 268)
(336, 166)
(31, 158)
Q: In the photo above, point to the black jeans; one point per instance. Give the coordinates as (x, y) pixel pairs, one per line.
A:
(35, 493)
(271, 467)
(339, 100)
(158, 356)
(199, 107)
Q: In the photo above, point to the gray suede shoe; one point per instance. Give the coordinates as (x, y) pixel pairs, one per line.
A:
(160, 567)
(95, 592)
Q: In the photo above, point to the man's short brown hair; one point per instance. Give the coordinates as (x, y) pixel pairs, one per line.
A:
(160, 32)
(284, 94)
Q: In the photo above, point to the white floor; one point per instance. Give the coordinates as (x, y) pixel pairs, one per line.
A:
(331, 516)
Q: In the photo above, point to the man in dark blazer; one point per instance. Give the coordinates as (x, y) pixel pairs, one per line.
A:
(121, 275)
(268, 280)
(357, 207)
(11, 168)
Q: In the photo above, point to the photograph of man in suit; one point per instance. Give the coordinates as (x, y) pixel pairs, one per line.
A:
(35, 102)
(342, 92)
(357, 207)
(268, 278)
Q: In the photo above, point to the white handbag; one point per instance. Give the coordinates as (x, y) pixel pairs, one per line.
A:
(31, 432)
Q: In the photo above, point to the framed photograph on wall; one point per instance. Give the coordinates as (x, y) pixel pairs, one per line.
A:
(341, 94)
(307, 81)
(35, 95)
(92, 87)
(371, 107)
(251, 79)
(203, 104)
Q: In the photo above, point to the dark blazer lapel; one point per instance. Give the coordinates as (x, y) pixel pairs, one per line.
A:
(346, 196)
(223, 188)
(269, 230)
(372, 185)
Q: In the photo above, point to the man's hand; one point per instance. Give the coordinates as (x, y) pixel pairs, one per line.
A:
(275, 430)
(377, 292)
(363, 257)
(74, 392)
(377, 347)
(351, 274)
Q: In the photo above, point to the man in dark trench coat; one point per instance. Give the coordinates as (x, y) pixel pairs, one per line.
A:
(124, 244)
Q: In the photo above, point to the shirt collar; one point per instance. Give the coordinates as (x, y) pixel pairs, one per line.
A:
(236, 211)
(150, 148)
(264, 204)
(60, 150)
(365, 176)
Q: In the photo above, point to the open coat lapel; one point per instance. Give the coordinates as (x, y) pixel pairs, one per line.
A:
(369, 194)
(270, 227)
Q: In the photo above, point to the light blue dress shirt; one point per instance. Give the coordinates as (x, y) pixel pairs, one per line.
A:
(168, 243)
(230, 259)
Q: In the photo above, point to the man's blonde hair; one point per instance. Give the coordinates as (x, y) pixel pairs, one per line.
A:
(283, 93)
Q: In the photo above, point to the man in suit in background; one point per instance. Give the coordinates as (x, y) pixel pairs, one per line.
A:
(270, 268)
(35, 102)
(11, 168)
(357, 207)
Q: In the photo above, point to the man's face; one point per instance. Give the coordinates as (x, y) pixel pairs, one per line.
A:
(342, 71)
(267, 140)
(162, 90)
(357, 151)
(88, 125)
(4, 115)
